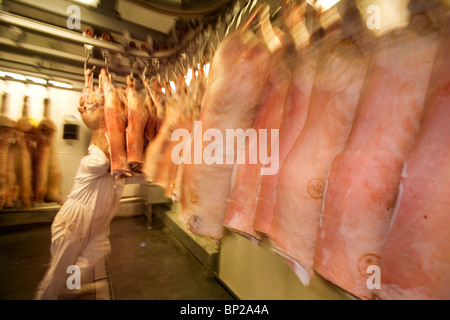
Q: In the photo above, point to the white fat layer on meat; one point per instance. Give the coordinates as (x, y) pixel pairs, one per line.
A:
(300, 271)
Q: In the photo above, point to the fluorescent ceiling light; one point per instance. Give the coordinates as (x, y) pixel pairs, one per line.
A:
(37, 80)
(60, 84)
(20, 77)
(91, 3)
(15, 76)
(323, 5)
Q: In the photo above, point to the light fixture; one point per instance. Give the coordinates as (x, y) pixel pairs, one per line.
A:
(163, 90)
(91, 3)
(15, 76)
(20, 77)
(60, 84)
(172, 85)
(37, 80)
(323, 5)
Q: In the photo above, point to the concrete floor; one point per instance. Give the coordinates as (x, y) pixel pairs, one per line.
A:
(146, 263)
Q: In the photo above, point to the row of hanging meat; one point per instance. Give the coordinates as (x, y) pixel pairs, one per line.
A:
(29, 168)
(137, 126)
(363, 177)
(364, 153)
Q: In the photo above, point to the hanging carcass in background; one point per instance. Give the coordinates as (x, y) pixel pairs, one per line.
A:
(47, 171)
(364, 179)
(238, 73)
(26, 154)
(7, 140)
(54, 193)
(150, 127)
(167, 120)
(30, 164)
(160, 103)
(181, 120)
(196, 81)
(12, 178)
(45, 134)
(11, 186)
(182, 108)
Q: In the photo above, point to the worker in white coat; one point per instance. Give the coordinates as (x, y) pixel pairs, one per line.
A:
(80, 230)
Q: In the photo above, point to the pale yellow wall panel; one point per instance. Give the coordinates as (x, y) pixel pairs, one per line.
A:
(253, 271)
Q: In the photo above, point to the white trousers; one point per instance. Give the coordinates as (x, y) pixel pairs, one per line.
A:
(74, 243)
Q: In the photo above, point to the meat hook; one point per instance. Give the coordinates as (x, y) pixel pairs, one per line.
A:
(132, 60)
(105, 54)
(145, 64)
(88, 49)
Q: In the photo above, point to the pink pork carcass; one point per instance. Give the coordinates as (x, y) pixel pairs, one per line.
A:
(340, 75)
(364, 179)
(116, 124)
(196, 92)
(156, 151)
(186, 122)
(138, 116)
(246, 178)
(167, 171)
(415, 261)
(150, 127)
(160, 103)
(293, 119)
(92, 98)
(238, 73)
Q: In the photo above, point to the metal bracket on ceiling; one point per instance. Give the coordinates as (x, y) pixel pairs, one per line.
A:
(16, 34)
(187, 9)
(144, 72)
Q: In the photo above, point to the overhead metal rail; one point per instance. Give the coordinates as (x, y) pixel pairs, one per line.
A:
(21, 22)
(187, 9)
